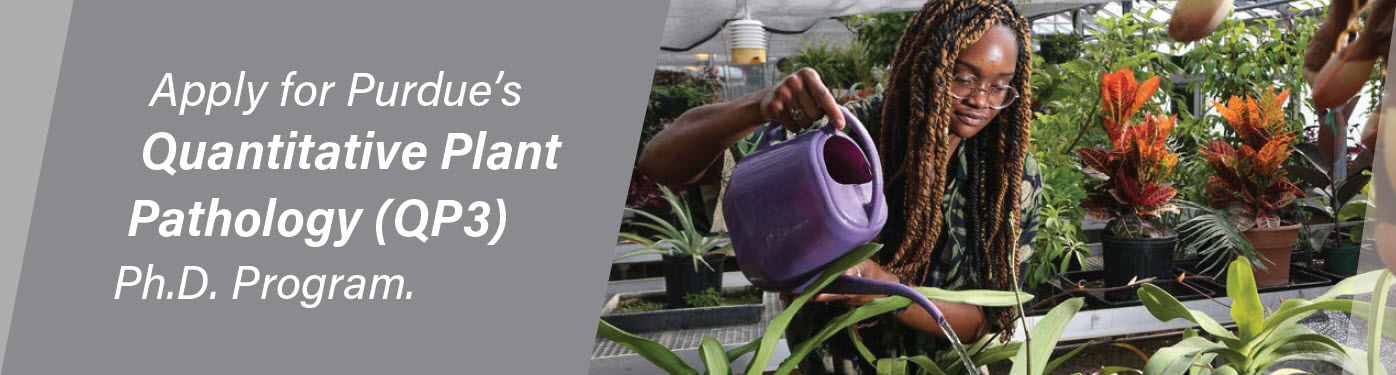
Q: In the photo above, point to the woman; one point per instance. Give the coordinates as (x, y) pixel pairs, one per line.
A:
(962, 191)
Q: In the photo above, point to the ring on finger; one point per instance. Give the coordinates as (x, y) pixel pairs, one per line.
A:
(798, 115)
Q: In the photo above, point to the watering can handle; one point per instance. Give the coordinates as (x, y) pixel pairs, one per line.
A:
(772, 133)
(877, 206)
(846, 284)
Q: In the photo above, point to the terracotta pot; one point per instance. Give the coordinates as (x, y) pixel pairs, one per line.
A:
(1276, 245)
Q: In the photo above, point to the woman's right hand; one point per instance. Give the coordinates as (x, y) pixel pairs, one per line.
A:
(799, 100)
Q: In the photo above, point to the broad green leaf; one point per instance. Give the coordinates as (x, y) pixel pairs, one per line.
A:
(739, 351)
(1294, 333)
(1356, 209)
(891, 366)
(858, 344)
(1295, 351)
(776, 328)
(883, 305)
(1246, 309)
(1178, 358)
(1294, 310)
(648, 349)
(1288, 371)
(1378, 313)
(989, 298)
(1113, 370)
(1361, 283)
(927, 365)
(1198, 367)
(1387, 327)
(1166, 308)
(1044, 338)
(714, 358)
(839, 323)
(983, 358)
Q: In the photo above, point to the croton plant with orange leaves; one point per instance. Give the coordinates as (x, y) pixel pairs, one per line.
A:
(1133, 191)
(1248, 178)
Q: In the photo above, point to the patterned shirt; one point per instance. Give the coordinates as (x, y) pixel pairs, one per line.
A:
(889, 339)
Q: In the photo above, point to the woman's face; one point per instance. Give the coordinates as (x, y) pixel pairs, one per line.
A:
(991, 62)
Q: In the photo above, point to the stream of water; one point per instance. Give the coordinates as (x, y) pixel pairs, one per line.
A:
(959, 347)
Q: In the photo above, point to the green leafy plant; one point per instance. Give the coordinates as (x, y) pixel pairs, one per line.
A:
(1248, 177)
(1213, 236)
(718, 361)
(1380, 322)
(747, 145)
(1060, 48)
(1133, 191)
(1259, 342)
(672, 94)
(1058, 244)
(708, 298)
(880, 33)
(682, 240)
(1338, 190)
(1046, 334)
(837, 67)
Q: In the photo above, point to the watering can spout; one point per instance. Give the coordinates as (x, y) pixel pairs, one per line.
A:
(846, 284)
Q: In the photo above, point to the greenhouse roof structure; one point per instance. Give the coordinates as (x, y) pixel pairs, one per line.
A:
(693, 32)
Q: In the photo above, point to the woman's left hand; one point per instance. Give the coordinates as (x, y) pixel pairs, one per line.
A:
(867, 270)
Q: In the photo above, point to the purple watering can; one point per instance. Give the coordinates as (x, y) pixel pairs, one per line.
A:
(795, 207)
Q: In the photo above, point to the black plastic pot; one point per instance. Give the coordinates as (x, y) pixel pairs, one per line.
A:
(1342, 260)
(680, 277)
(1135, 258)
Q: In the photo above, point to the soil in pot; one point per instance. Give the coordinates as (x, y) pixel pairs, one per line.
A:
(681, 278)
(1135, 258)
(1342, 260)
(1276, 246)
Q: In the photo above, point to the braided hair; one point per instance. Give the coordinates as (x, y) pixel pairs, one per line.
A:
(915, 147)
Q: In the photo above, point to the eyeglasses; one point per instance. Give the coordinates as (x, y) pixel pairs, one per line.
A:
(967, 85)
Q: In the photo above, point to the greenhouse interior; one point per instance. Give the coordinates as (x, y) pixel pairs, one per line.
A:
(1206, 201)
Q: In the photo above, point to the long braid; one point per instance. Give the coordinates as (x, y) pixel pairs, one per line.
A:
(915, 147)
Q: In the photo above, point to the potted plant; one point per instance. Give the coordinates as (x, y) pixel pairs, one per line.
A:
(1260, 342)
(692, 258)
(1058, 248)
(1132, 192)
(1338, 205)
(1210, 236)
(1248, 179)
(1033, 356)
